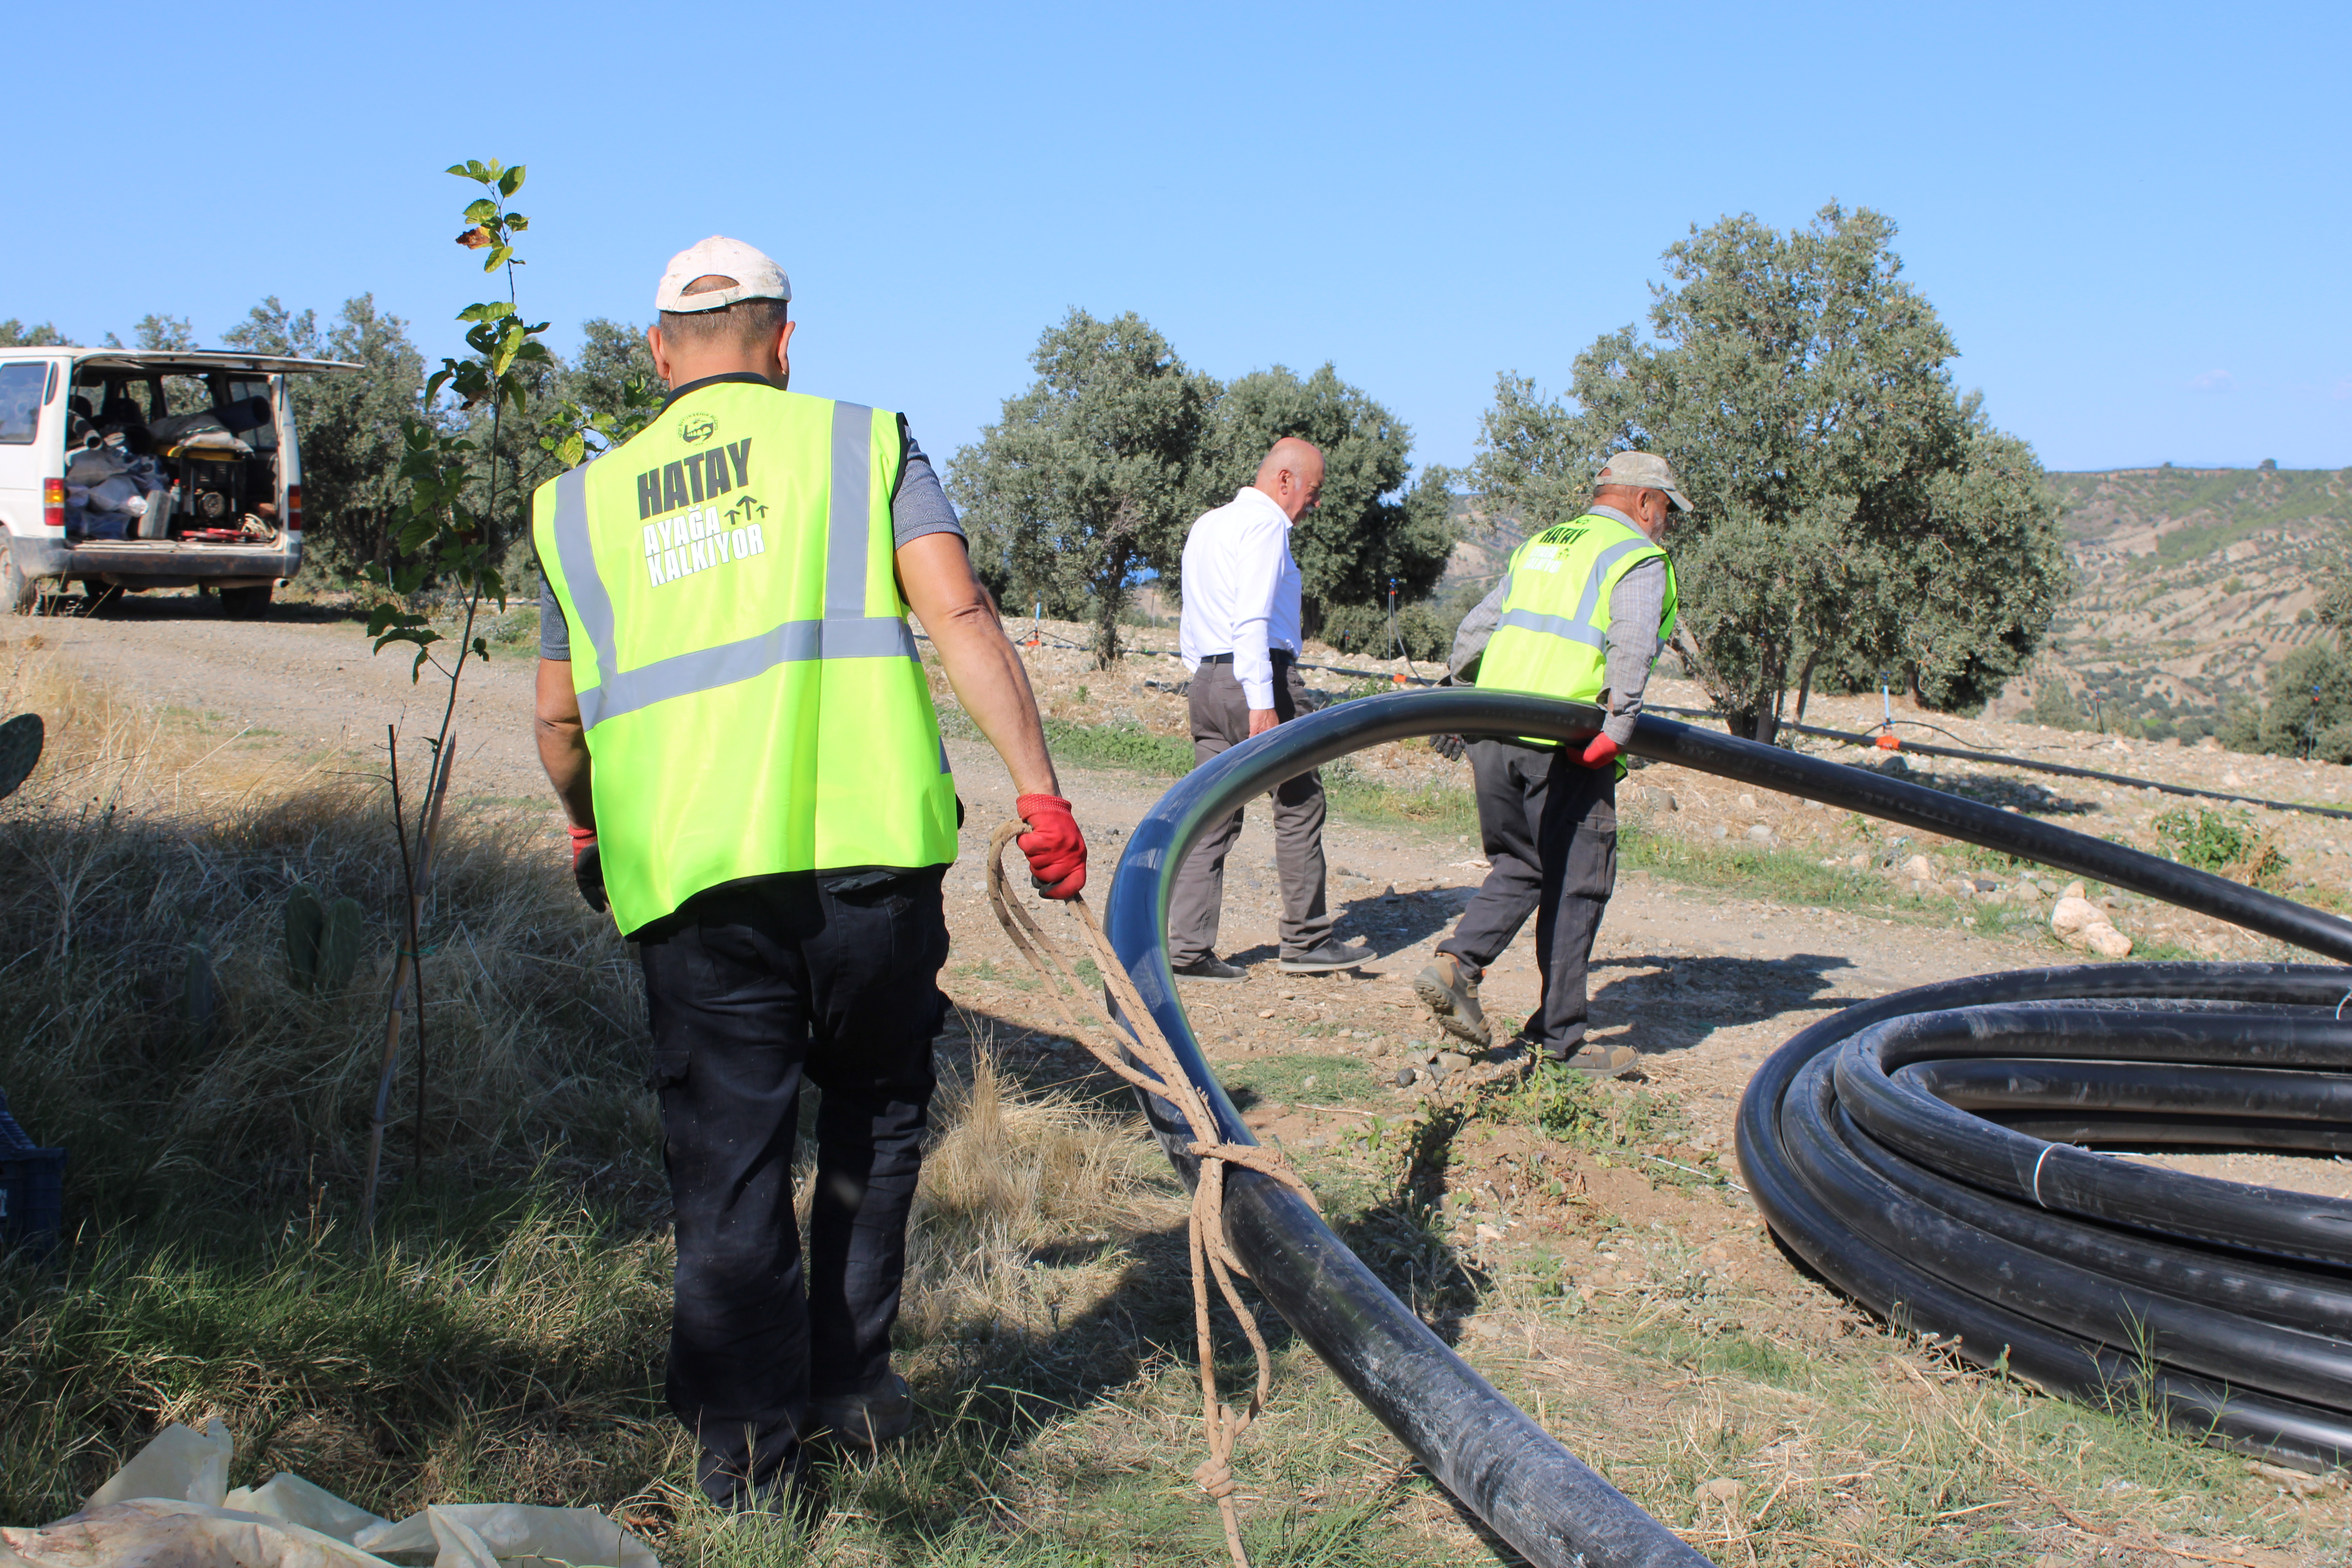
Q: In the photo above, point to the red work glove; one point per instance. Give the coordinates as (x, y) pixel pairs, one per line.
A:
(1056, 851)
(587, 868)
(1601, 753)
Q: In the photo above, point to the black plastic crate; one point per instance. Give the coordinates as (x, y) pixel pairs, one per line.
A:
(32, 1188)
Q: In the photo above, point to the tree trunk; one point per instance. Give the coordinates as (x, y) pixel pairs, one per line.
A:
(1109, 599)
(1805, 683)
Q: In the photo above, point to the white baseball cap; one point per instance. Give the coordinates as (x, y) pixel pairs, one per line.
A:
(756, 275)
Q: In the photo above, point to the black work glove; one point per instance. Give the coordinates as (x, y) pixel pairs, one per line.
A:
(588, 870)
(1450, 747)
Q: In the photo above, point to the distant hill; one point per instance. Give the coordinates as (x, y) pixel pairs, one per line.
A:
(2191, 583)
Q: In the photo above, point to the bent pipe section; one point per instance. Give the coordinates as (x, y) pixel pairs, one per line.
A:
(1485, 1451)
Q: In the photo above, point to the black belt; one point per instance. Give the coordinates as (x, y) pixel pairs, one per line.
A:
(1278, 655)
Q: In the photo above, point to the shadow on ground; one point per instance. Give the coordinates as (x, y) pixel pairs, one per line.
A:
(1691, 997)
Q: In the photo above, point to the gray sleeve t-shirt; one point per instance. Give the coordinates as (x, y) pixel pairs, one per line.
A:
(918, 506)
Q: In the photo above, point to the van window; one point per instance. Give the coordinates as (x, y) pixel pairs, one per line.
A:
(21, 386)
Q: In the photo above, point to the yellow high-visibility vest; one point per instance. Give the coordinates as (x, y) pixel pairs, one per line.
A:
(1553, 637)
(752, 699)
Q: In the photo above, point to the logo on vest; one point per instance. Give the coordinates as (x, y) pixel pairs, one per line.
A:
(696, 427)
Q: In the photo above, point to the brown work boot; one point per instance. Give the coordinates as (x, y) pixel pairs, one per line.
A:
(1598, 1061)
(1450, 988)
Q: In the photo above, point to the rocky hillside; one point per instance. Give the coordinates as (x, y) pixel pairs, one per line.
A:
(2192, 583)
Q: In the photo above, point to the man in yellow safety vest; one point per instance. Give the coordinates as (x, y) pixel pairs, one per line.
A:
(731, 709)
(1582, 614)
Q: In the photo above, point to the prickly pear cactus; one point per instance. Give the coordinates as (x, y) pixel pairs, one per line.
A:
(306, 923)
(339, 945)
(20, 748)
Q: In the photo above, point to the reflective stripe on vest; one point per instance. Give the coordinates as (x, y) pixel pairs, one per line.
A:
(845, 632)
(1579, 628)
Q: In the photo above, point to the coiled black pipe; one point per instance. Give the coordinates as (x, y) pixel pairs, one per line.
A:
(2073, 1286)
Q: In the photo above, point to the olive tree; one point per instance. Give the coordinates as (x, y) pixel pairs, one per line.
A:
(350, 421)
(1854, 514)
(1087, 480)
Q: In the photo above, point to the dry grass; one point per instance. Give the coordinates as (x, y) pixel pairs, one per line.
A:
(503, 1335)
(148, 1014)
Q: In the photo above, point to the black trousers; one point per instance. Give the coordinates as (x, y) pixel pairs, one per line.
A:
(1549, 826)
(752, 990)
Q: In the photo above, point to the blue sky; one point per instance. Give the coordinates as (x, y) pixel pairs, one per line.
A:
(2133, 218)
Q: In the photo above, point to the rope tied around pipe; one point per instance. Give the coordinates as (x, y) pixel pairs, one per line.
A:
(1211, 1252)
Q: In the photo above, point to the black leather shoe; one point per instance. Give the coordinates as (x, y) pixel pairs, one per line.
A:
(1332, 954)
(1209, 967)
(866, 1420)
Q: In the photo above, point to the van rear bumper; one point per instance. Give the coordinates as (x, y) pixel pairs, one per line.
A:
(154, 563)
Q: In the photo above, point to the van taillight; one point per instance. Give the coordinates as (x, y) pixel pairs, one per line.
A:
(293, 509)
(53, 503)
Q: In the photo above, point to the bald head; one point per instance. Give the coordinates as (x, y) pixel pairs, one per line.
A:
(1292, 474)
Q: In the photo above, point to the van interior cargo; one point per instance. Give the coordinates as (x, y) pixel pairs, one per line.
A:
(191, 457)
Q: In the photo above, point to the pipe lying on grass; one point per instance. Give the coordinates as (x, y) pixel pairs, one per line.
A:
(1532, 1491)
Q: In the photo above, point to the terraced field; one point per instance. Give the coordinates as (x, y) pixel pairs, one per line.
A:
(2193, 582)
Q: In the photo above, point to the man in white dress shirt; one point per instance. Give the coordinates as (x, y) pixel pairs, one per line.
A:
(1240, 639)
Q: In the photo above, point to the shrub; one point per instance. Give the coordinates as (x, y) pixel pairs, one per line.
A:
(2227, 842)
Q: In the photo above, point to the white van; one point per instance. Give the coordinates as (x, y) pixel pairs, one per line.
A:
(123, 469)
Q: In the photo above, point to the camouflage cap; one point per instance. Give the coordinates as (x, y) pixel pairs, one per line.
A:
(1643, 470)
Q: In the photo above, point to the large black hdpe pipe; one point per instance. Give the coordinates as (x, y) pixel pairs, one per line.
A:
(1488, 1453)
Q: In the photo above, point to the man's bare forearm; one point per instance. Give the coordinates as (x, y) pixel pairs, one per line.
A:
(563, 741)
(993, 688)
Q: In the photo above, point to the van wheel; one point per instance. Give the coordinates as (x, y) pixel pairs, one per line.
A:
(246, 604)
(19, 595)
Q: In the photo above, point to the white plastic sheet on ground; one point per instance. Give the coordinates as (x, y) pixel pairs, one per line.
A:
(171, 1507)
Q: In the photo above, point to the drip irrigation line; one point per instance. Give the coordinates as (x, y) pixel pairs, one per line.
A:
(1172, 653)
(1925, 748)
(2137, 1288)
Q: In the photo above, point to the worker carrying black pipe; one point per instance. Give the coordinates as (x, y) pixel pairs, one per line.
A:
(731, 709)
(1582, 614)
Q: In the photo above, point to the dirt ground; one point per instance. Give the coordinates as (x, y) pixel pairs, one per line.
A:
(1703, 983)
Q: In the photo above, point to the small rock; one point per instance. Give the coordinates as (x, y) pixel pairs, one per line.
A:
(1721, 831)
(1760, 834)
(1488, 1233)
(2209, 742)
(2107, 941)
(1450, 1061)
(1666, 798)
(1265, 1012)
(2232, 780)
(2073, 914)
(1722, 1490)
(2028, 893)
(1859, 862)
(1307, 1082)
(1917, 869)
(1746, 802)
(2074, 890)
(1404, 1077)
